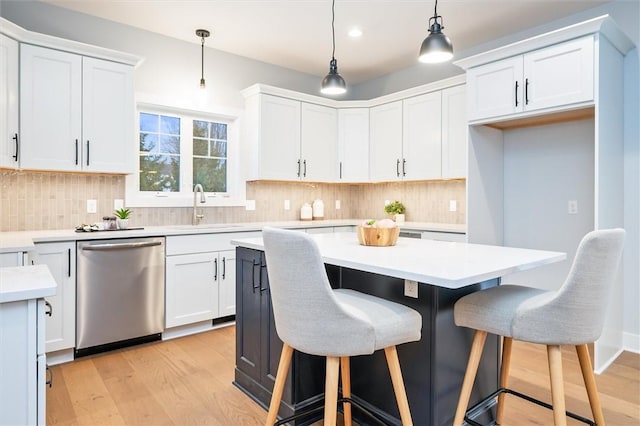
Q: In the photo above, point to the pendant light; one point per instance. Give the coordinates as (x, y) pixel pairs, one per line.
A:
(202, 34)
(436, 47)
(333, 83)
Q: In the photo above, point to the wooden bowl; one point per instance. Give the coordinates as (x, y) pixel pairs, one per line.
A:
(380, 237)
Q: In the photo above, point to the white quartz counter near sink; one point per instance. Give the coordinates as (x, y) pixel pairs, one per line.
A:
(24, 240)
(26, 282)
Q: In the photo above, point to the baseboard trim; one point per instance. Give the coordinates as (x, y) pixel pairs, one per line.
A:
(631, 342)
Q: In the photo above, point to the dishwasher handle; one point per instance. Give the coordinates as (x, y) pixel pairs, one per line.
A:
(121, 246)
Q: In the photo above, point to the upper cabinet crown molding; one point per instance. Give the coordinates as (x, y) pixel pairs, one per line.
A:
(319, 100)
(604, 25)
(22, 35)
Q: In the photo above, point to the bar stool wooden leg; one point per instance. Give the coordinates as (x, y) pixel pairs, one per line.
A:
(331, 391)
(345, 371)
(278, 388)
(398, 385)
(590, 383)
(470, 376)
(504, 376)
(554, 355)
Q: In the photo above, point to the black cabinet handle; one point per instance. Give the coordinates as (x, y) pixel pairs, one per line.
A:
(263, 266)
(298, 173)
(224, 268)
(69, 262)
(253, 275)
(87, 152)
(304, 173)
(76, 152)
(517, 92)
(341, 170)
(215, 268)
(49, 310)
(15, 138)
(526, 91)
(49, 381)
(404, 167)
(398, 167)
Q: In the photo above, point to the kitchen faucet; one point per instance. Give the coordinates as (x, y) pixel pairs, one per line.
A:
(196, 189)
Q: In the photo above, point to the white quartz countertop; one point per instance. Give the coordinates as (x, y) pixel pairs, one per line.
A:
(445, 264)
(24, 240)
(26, 282)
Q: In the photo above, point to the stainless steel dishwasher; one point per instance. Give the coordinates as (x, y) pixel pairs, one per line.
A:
(120, 293)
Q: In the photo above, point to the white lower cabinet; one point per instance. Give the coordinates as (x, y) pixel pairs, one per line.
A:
(61, 324)
(200, 277)
(17, 258)
(22, 363)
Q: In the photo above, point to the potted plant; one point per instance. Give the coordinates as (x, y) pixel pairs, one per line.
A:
(396, 209)
(122, 216)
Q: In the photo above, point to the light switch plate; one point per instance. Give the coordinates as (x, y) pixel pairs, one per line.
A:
(338, 205)
(92, 206)
(118, 203)
(453, 205)
(287, 205)
(250, 204)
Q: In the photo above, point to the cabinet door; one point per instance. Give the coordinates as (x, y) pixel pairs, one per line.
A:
(422, 135)
(319, 143)
(279, 138)
(50, 109)
(248, 314)
(454, 132)
(9, 68)
(11, 259)
(227, 283)
(385, 147)
(495, 89)
(60, 327)
(191, 289)
(107, 117)
(559, 75)
(353, 145)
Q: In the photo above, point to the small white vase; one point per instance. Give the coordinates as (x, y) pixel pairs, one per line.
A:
(399, 218)
(122, 223)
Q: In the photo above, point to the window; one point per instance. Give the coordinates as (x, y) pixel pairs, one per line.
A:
(178, 149)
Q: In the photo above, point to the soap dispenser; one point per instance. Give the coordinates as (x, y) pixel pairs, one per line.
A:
(318, 209)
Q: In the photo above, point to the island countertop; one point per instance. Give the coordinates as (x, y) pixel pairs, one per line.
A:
(446, 264)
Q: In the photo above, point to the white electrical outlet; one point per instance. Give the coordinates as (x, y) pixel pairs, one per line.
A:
(411, 288)
(287, 205)
(572, 207)
(453, 205)
(337, 204)
(92, 206)
(387, 202)
(118, 204)
(250, 204)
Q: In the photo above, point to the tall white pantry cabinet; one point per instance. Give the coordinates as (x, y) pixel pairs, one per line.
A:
(546, 150)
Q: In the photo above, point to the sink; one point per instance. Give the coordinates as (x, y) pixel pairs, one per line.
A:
(206, 226)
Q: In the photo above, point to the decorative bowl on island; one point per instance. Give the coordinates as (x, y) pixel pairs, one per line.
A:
(380, 233)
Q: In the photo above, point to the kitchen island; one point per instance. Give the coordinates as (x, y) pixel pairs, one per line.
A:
(433, 368)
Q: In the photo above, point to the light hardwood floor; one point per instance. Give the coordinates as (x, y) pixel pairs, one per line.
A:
(187, 381)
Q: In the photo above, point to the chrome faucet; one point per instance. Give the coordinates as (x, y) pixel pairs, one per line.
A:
(196, 189)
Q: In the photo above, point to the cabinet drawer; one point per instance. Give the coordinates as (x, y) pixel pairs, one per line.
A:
(184, 244)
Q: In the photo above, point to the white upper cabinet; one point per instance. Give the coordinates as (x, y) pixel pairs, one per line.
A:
(278, 138)
(353, 145)
(385, 142)
(422, 137)
(291, 140)
(319, 143)
(550, 77)
(76, 113)
(454, 132)
(108, 116)
(9, 119)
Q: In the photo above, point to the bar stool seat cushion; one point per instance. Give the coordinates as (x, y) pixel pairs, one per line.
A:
(391, 323)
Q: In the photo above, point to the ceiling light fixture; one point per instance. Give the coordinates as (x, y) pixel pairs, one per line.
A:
(436, 47)
(333, 83)
(202, 34)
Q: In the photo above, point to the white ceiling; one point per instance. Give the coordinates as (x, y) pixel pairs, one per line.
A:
(296, 34)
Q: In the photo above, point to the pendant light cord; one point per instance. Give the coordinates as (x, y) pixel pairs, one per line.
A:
(202, 60)
(435, 10)
(333, 29)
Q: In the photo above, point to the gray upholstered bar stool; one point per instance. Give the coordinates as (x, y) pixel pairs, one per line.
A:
(312, 318)
(572, 315)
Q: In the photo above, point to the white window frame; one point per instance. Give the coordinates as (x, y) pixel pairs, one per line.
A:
(235, 195)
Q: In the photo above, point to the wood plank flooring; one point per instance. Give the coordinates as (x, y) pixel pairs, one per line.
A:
(187, 381)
